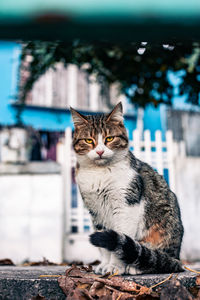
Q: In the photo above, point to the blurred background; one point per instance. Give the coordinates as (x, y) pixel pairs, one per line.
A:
(157, 78)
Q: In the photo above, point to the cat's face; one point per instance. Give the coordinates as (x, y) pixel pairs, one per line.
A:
(100, 139)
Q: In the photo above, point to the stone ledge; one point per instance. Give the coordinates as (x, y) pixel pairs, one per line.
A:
(33, 168)
(25, 283)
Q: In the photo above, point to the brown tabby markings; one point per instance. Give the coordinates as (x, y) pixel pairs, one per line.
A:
(155, 236)
(99, 125)
(155, 246)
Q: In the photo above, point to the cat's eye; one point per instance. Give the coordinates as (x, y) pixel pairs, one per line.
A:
(109, 139)
(89, 141)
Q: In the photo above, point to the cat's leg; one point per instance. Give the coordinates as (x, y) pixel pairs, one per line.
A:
(105, 259)
(112, 264)
(114, 242)
(115, 265)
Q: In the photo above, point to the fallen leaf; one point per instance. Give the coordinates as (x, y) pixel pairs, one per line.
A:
(6, 262)
(198, 295)
(44, 262)
(87, 268)
(66, 284)
(198, 280)
(175, 290)
(94, 287)
(79, 283)
(83, 285)
(78, 294)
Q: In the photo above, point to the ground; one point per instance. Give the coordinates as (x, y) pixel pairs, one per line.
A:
(37, 282)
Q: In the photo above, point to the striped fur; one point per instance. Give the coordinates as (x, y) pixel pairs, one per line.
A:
(135, 254)
(132, 205)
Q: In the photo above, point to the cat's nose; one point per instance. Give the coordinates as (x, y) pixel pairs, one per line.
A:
(100, 153)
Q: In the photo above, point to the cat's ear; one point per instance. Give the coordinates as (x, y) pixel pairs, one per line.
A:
(116, 114)
(78, 118)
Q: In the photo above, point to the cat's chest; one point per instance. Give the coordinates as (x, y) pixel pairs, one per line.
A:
(105, 184)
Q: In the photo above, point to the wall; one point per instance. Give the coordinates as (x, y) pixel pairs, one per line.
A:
(9, 61)
(31, 212)
(47, 119)
(30, 215)
(155, 119)
(42, 118)
(187, 170)
(185, 126)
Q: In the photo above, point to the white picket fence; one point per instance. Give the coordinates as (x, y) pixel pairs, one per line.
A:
(76, 220)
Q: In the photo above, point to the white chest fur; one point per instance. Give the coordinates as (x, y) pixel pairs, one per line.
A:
(104, 191)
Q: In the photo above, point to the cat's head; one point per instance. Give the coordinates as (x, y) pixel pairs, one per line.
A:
(100, 139)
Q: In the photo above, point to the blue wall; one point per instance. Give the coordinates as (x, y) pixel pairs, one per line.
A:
(49, 119)
(155, 119)
(9, 60)
(58, 119)
(45, 119)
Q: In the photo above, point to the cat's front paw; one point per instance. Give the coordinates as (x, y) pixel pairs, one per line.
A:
(98, 269)
(112, 269)
(132, 271)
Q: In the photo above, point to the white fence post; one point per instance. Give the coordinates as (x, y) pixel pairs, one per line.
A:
(80, 214)
(159, 152)
(136, 143)
(72, 85)
(68, 166)
(147, 145)
(66, 157)
(170, 159)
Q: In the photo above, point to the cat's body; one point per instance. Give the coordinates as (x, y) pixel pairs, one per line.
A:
(106, 198)
(136, 216)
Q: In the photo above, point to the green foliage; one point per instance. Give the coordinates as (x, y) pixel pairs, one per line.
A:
(142, 77)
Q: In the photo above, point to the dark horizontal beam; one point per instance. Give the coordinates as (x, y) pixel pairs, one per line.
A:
(146, 29)
(119, 21)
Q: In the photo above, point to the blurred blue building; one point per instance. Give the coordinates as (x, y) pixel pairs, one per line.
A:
(49, 118)
(47, 107)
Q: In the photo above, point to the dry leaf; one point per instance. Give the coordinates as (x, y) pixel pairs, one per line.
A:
(198, 280)
(66, 284)
(78, 294)
(83, 285)
(87, 268)
(44, 262)
(6, 262)
(78, 283)
(174, 290)
(95, 286)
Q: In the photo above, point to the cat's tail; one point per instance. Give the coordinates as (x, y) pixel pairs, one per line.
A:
(136, 254)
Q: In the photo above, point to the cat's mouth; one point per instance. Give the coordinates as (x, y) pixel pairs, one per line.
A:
(101, 160)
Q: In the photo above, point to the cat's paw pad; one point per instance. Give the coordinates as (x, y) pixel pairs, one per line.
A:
(112, 269)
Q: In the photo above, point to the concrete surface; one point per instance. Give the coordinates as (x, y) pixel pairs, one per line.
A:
(25, 283)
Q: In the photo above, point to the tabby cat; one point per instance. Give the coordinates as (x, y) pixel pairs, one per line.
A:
(135, 214)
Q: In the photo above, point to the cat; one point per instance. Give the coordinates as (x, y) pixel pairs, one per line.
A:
(135, 214)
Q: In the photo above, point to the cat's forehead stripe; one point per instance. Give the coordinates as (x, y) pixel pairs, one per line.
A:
(98, 122)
